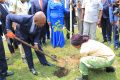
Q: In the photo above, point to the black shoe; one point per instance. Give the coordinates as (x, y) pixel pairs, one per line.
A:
(33, 71)
(104, 41)
(84, 77)
(116, 48)
(47, 64)
(9, 73)
(110, 69)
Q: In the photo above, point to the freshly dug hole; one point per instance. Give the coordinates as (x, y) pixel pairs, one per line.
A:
(61, 72)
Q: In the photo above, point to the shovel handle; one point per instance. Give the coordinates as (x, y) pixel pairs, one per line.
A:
(34, 48)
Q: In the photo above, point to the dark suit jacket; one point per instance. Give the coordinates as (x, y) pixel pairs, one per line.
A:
(25, 22)
(4, 13)
(35, 6)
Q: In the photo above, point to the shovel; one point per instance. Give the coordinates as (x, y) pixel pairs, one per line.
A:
(52, 57)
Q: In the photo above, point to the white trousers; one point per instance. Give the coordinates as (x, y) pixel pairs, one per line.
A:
(89, 29)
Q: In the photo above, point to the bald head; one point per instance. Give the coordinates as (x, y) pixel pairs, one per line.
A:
(39, 18)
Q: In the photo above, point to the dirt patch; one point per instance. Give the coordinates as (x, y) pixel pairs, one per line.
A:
(61, 72)
(69, 61)
(66, 64)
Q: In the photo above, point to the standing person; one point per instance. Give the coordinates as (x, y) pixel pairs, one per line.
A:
(105, 23)
(20, 7)
(113, 21)
(67, 16)
(94, 55)
(55, 14)
(41, 5)
(79, 11)
(29, 32)
(4, 12)
(3, 64)
(91, 16)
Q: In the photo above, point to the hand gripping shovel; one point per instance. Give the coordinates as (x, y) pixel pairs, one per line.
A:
(52, 57)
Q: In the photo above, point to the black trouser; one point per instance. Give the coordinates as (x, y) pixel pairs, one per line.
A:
(28, 54)
(67, 25)
(47, 31)
(43, 35)
(106, 29)
(3, 63)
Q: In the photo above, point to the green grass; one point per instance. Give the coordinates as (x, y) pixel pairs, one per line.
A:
(46, 73)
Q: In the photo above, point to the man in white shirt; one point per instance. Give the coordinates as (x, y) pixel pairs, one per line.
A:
(19, 7)
(91, 15)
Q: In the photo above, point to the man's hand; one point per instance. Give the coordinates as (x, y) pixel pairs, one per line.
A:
(10, 34)
(36, 47)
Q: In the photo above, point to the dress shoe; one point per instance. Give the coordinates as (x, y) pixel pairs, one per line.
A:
(9, 73)
(116, 48)
(47, 64)
(33, 71)
(110, 69)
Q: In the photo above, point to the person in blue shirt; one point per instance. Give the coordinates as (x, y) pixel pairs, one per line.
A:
(105, 23)
(113, 21)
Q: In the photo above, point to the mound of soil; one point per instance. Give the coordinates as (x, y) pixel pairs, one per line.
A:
(61, 72)
(69, 61)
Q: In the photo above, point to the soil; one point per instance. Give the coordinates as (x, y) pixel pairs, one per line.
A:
(70, 61)
(61, 72)
(66, 64)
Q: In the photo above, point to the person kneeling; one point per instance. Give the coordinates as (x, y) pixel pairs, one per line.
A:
(94, 55)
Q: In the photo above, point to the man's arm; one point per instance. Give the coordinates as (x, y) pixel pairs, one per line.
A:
(20, 19)
(37, 35)
(36, 39)
(12, 18)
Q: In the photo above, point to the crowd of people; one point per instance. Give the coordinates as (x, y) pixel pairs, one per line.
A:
(36, 21)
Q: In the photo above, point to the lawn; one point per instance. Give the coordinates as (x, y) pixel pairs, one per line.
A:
(47, 73)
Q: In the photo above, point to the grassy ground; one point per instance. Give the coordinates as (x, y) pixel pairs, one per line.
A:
(46, 73)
